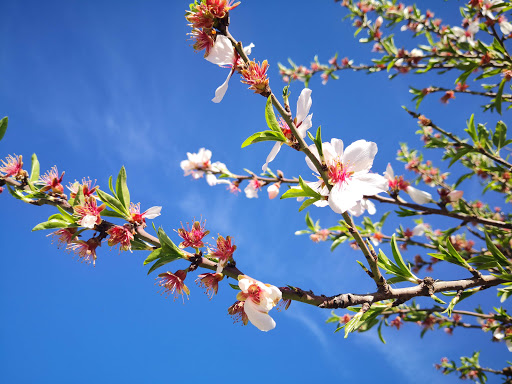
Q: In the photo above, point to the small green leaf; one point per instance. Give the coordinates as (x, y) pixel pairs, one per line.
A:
(34, 173)
(112, 202)
(264, 136)
(122, 192)
(270, 116)
(234, 286)
(51, 224)
(3, 126)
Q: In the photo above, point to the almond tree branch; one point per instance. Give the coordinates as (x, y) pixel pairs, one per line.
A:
(463, 143)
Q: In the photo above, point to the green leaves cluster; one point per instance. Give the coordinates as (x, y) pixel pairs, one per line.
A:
(167, 253)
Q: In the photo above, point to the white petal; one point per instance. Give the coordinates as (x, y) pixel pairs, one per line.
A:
(250, 191)
(314, 151)
(419, 197)
(321, 203)
(369, 184)
(370, 207)
(341, 198)
(260, 320)
(498, 334)
(221, 91)
(245, 283)
(357, 209)
(211, 179)
(222, 52)
(389, 174)
(337, 145)
(304, 104)
(152, 212)
(272, 155)
(248, 49)
(359, 155)
(306, 124)
(508, 343)
(88, 221)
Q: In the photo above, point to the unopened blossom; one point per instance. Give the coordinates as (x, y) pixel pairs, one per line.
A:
(273, 190)
(302, 122)
(396, 322)
(348, 172)
(455, 196)
(252, 188)
(89, 213)
(376, 238)
(237, 312)
(258, 300)
(88, 188)
(224, 55)
(234, 187)
(12, 166)
(193, 237)
(86, 250)
(121, 236)
(63, 236)
(255, 75)
(224, 251)
(52, 181)
(447, 96)
(140, 218)
(321, 235)
(398, 183)
(210, 282)
(173, 284)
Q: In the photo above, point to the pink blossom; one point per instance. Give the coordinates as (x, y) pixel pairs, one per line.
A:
(89, 213)
(173, 284)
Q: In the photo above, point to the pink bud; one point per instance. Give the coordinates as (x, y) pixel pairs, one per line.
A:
(273, 191)
(455, 195)
(378, 22)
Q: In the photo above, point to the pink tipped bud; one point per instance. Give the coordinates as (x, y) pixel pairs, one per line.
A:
(273, 191)
(455, 196)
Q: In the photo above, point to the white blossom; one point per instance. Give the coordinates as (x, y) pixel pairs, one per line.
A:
(349, 173)
(223, 54)
(258, 300)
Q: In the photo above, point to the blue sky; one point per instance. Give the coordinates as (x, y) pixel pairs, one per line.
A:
(91, 86)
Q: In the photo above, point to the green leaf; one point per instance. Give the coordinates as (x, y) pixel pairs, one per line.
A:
(270, 116)
(139, 245)
(66, 215)
(399, 260)
(109, 213)
(306, 203)
(234, 286)
(310, 223)
(113, 203)
(379, 332)
(122, 189)
(3, 126)
(34, 173)
(497, 100)
(500, 135)
(153, 256)
(500, 258)
(51, 224)
(264, 136)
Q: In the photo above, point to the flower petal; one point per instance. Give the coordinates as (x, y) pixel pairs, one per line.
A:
(343, 197)
(221, 91)
(369, 184)
(211, 179)
(303, 104)
(419, 197)
(248, 49)
(306, 124)
(389, 174)
(272, 155)
(260, 320)
(152, 212)
(337, 145)
(222, 52)
(359, 155)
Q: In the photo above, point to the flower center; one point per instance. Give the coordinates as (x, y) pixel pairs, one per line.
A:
(254, 293)
(338, 173)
